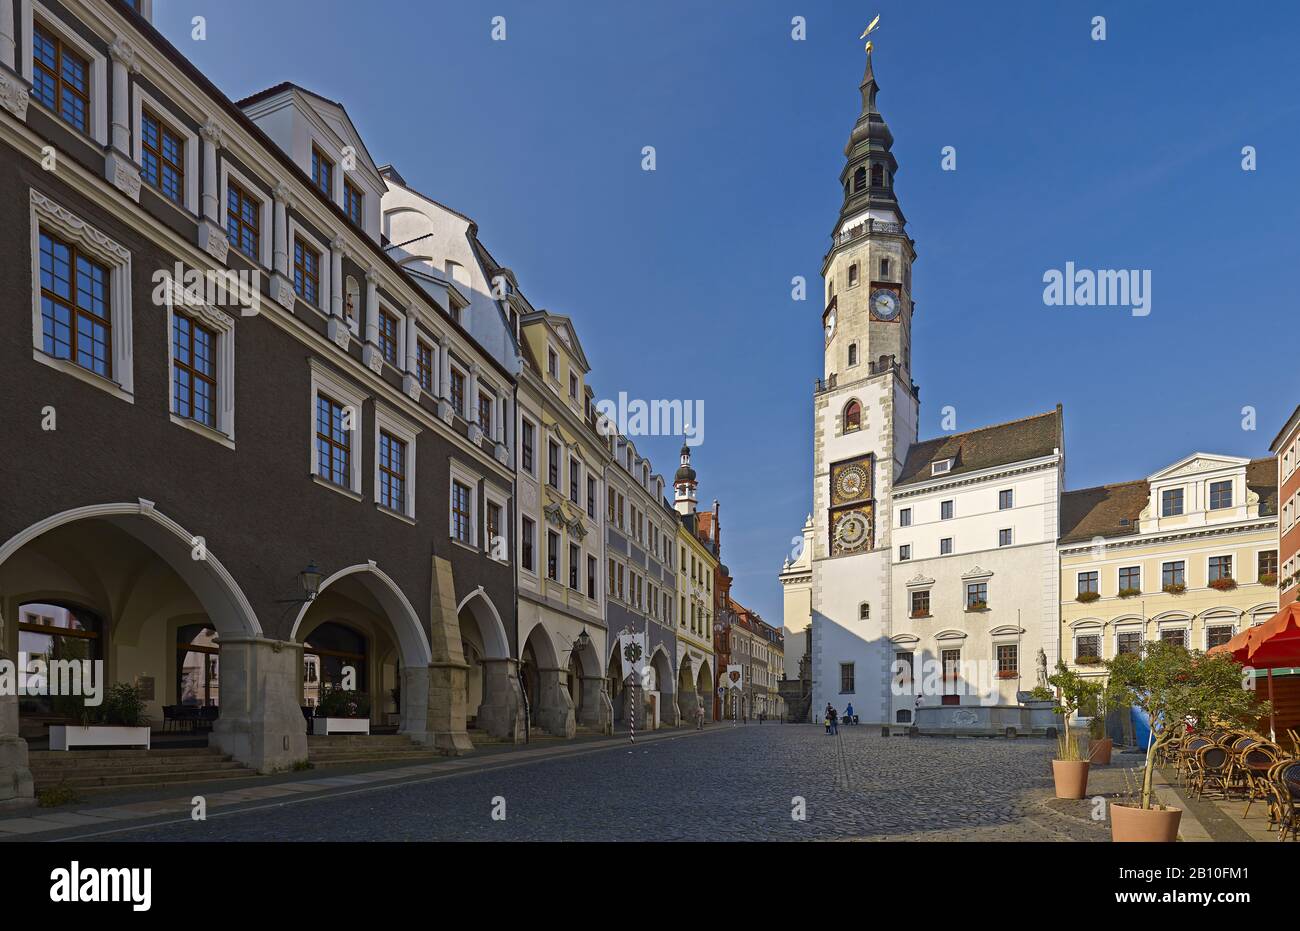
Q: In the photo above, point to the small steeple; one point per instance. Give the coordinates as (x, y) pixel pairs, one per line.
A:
(868, 175)
(684, 484)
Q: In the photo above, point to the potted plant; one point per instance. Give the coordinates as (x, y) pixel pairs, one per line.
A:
(1087, 597)
(977, 606)
(1224, 584)
(1268, 578)
(1173, 684)
(1087, 659)
(1099, 745)
(1129, 592)
(342, 712)
(118, 721)
(1175, 588)
(1070, 767)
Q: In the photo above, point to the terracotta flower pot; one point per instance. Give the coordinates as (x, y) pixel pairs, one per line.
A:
(1100, 752)
(1144, 825)
(1071, 778)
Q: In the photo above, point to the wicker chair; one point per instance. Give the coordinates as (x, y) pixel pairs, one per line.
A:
(1286, 777)
(1185, 759)
(1212, 771)
(1254, 764)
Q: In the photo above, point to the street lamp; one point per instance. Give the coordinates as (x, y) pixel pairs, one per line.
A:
(308, 583)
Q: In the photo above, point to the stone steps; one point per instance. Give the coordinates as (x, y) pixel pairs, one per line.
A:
(348, 749)
(108, 769)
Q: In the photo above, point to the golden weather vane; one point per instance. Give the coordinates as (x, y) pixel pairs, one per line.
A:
(871, 27)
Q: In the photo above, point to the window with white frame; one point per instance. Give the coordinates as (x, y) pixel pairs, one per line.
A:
(309, 266)
(201, 359)
(248, 217)
(67, 74)
(464, 505)
(394, 462)
(155, 150)
(81, 299)
(497, 545)
(336, 408)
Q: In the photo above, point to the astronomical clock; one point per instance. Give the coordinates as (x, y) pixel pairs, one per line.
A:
(852, 513)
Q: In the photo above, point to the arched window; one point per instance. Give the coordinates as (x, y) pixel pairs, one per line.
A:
(852, 416)
(853, 353)
(877, 175)
(853, 275)
(864, 612)
(859, 180)
(351, 300)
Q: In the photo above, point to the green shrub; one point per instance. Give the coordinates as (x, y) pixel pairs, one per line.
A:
(336, 703)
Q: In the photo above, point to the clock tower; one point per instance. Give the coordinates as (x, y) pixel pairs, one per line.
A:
(865, 419)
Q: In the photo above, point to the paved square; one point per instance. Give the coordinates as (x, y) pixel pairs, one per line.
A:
(728, 784)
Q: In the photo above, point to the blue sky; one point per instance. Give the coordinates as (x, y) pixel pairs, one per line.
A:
(1117, 154)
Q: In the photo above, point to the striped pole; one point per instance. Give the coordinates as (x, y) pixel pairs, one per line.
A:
(631, 718)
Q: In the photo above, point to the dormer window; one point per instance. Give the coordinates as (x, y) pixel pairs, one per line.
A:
(322, 171)
(1171, 502)
(573, 386)
(940, 467)
(1220, 495)
(552, 363)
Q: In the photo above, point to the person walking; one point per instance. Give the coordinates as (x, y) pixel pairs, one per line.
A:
(826, 716)
(848, 713)
(835, 721)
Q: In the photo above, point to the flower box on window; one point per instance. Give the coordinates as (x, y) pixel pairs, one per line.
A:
(1129, 592)
(1268, 578)
(1223, 585)
(1087, 597)
(1087, 660)
(1008, 674)
(977, 606)
(920, 614)
(1175, 588)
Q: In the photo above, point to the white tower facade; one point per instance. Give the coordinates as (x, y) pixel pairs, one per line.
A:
(865, 420)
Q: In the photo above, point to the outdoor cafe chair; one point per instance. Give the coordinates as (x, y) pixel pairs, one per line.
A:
(1213, 766)
(1287, 783)
(1255, 763)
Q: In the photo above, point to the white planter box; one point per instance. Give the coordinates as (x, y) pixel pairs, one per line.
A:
(67, 736)
(323, 726)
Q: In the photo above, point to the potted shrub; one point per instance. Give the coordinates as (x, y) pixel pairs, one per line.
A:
(1175, 588)
(1129, 592)
(1087, 597)
(1070, 767)
(1172, 684)
(1223, 585)
(342, 712)
(118, 721)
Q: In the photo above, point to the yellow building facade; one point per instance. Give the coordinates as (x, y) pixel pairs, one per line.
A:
(1177, 556)
(696, 571)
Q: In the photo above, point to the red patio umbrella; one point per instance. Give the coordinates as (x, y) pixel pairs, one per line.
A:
(1275, 644)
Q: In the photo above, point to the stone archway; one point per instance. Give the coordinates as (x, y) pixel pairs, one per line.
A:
(664, 683)
(704, 689)
(145, 574)
(550, 704)
(364, 597)
(500, 712)
(687, 700)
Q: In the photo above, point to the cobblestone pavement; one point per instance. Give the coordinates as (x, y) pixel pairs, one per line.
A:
(725, 784)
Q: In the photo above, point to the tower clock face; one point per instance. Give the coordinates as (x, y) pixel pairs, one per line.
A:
(830, 325)
(852, 531)
(884, 304)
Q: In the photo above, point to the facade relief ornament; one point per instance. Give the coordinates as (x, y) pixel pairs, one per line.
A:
(212, 132)
(123, 52)
(14, 95)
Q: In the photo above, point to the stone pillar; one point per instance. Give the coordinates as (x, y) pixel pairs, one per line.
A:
(596, 710)
(471, 405)
(371, 354)
(445, 718)
(7, 44)
(15, 775)
(281, 286)
(411, 380)
(212, 235)
(502, 712)
(415, 704)
(261, 723)
(554, 703)
(444, 379)
(120, 168)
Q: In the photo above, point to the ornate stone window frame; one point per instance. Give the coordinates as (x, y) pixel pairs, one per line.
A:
(52, 217)
(265, 227)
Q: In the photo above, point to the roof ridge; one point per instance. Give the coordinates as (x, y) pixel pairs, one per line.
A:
(992, 426)
(1136, 481)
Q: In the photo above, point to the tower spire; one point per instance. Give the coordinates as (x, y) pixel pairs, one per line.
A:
(868, 175)
(684, 484)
